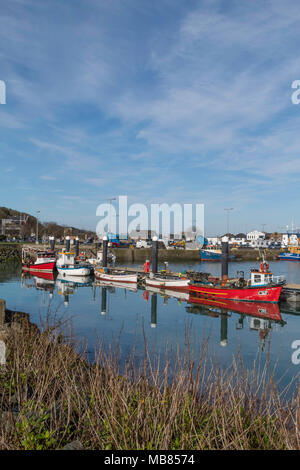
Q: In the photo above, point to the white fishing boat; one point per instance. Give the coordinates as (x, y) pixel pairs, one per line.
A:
(67, 266)
(104, 274)
(168, 282)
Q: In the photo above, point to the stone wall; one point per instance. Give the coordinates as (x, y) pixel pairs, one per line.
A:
(10, 252)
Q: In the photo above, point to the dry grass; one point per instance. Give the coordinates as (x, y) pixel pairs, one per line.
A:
(49, 396)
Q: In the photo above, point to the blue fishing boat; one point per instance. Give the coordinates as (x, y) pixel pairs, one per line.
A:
(209, 254)
(212, 254)
(293, 254)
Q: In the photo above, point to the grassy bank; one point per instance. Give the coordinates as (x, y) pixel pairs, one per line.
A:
(51, 396)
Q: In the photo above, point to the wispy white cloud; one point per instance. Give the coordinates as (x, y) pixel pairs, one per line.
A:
(47, 178)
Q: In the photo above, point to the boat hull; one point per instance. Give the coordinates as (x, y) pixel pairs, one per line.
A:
(248, 294)
(74, 271)
(213, 255)
(289, 256)
(210, 255)
(118, 278)
(172, 284)
(40, 268)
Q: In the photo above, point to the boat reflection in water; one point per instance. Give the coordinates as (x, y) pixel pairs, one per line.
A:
(120, 285)
(40, 281)
(263, 316)
(67, 285)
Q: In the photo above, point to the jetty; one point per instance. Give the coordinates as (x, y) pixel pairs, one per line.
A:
(290, 293)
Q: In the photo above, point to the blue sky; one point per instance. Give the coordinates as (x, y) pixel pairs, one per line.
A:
(162, 101)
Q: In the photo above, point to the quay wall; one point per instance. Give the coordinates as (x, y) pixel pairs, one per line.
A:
(176, 256)
(139, 255)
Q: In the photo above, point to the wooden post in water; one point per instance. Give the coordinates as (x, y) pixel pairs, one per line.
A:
(154, 255)
(224, 261)
(105, 244)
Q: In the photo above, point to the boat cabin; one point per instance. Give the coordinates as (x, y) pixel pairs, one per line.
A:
(66, 258)
(294, 249)
(45, 257)
(261, 276)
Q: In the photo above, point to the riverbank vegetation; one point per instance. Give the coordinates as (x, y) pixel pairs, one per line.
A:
(51, 396)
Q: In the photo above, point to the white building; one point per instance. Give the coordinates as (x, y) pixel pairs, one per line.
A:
(213, 241)
(239, 239)
(287, 240)
(255, 235)
(260, 243)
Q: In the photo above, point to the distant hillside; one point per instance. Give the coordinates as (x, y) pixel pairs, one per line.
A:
(45, 228)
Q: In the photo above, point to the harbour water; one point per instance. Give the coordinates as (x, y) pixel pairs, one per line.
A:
(125, 318)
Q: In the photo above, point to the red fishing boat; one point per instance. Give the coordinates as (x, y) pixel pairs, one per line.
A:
(261, 287)
(45, 262)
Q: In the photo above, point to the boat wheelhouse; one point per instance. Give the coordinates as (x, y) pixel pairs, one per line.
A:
(66, 265)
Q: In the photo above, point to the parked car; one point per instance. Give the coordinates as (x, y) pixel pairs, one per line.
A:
(143, 244)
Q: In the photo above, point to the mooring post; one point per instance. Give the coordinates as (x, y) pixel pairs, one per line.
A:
(52, 243)
(224, 261)
(154, 255)
(153, 310)
(67, 243)
(103, 301)
(104, 259)
(77, 246)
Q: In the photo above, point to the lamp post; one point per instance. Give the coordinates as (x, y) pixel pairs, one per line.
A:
(37, 228)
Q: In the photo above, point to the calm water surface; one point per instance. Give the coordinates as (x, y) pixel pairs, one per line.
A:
(127, 317)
